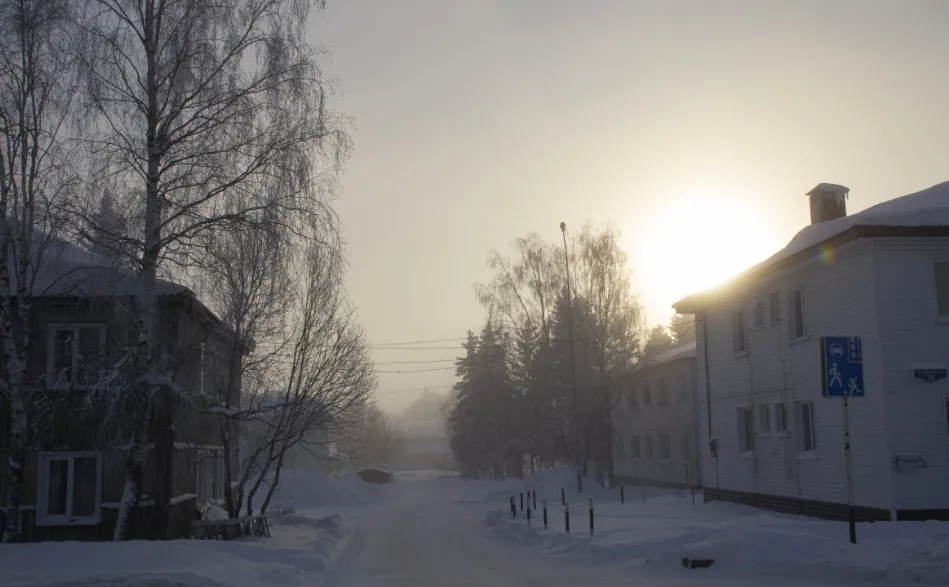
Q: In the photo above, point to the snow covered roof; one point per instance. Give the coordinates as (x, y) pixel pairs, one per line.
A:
(66, 269)
(928, 208)
(686, 351)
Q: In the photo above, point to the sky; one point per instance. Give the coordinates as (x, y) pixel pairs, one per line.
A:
(693, 127)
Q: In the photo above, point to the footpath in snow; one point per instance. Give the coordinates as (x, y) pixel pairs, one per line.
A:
(655, 529)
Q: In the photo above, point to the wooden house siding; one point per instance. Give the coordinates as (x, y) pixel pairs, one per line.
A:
(839, 300)
(915, 411)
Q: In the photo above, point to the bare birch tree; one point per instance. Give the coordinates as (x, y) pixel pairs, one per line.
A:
(323, 382)
(191, 104)
(36, 86)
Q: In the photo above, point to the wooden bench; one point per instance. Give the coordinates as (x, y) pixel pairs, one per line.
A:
(230, 529)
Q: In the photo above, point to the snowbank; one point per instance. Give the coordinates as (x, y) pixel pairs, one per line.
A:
(658, 528)
(302, 548)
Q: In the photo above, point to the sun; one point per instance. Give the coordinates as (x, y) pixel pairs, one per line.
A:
(698, 237)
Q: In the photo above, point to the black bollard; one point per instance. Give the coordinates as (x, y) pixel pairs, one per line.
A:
(563, 497)
(522, 501)
(528, 515)
(853, 525)
(513, 508)
(566, 518)
(622, 495)
(591, 516)
(545, 514)
(534, 496)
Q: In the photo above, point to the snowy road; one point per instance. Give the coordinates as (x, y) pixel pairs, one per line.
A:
(430, 532)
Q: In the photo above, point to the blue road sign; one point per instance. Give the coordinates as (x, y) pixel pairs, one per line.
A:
(842, 362)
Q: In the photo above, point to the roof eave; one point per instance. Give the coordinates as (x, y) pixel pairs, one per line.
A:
(696, 303)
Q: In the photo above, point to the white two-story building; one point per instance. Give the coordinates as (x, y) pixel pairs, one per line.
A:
(654, 422)
(771, 437)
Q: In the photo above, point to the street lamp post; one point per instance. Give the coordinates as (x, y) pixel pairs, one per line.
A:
(573, 366)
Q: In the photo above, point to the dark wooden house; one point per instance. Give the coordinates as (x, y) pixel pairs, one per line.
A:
(75, 469)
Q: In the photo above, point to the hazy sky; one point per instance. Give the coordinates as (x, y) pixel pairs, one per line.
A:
(693, 127)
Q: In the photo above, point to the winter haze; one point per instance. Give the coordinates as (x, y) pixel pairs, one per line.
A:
(693, 127)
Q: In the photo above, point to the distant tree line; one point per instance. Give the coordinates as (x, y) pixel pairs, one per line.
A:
(516, 405)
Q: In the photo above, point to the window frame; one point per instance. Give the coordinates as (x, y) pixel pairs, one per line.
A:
(774, 308)
(635, 447)
(757, 314)
(792, 335)
(647, 393)
(746, 432)
(763, 420)
(939, 261)
(52, 381)
(784, 420)
(42, 489)
(804, 438)
(665, 441)
(214, 475)
(736, 314)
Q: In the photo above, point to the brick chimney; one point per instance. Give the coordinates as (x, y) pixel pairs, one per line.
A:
(828, 201)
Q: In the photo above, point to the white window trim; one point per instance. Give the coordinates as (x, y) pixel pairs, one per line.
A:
(764, 314)
(744, 322)
(42, 485)
(799, 423)
(780, 433)
(790, 320)
(758, 420)
(774, 322)
(51, 381)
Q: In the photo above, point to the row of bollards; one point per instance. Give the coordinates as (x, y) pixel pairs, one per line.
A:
(532, 500)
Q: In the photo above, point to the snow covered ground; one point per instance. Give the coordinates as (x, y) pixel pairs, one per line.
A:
(656, 528)
(304, 547)
(432, 529)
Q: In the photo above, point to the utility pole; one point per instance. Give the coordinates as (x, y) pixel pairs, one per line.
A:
(573, 366)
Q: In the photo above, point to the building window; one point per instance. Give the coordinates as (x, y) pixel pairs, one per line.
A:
(774, 308)
(758, 315)
(796, 322)
(739, 334)
(634, 448)
(746, 430)
(663, 392)
(631, 398)
(648, 447)
(665, 448)
(70, 489)
(210, 475)
(647, 394)
(687, 447)
(764, 419)
(941, 271)
(780, 418)
(74, 355)
(620, 447)
(805, 427)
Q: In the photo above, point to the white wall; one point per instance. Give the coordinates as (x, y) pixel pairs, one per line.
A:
(839, 292)
(675, 419)
(911, 333)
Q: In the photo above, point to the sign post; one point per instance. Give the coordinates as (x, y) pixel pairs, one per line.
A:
(842, 366)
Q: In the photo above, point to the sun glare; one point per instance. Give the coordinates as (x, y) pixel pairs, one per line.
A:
(698, 238)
